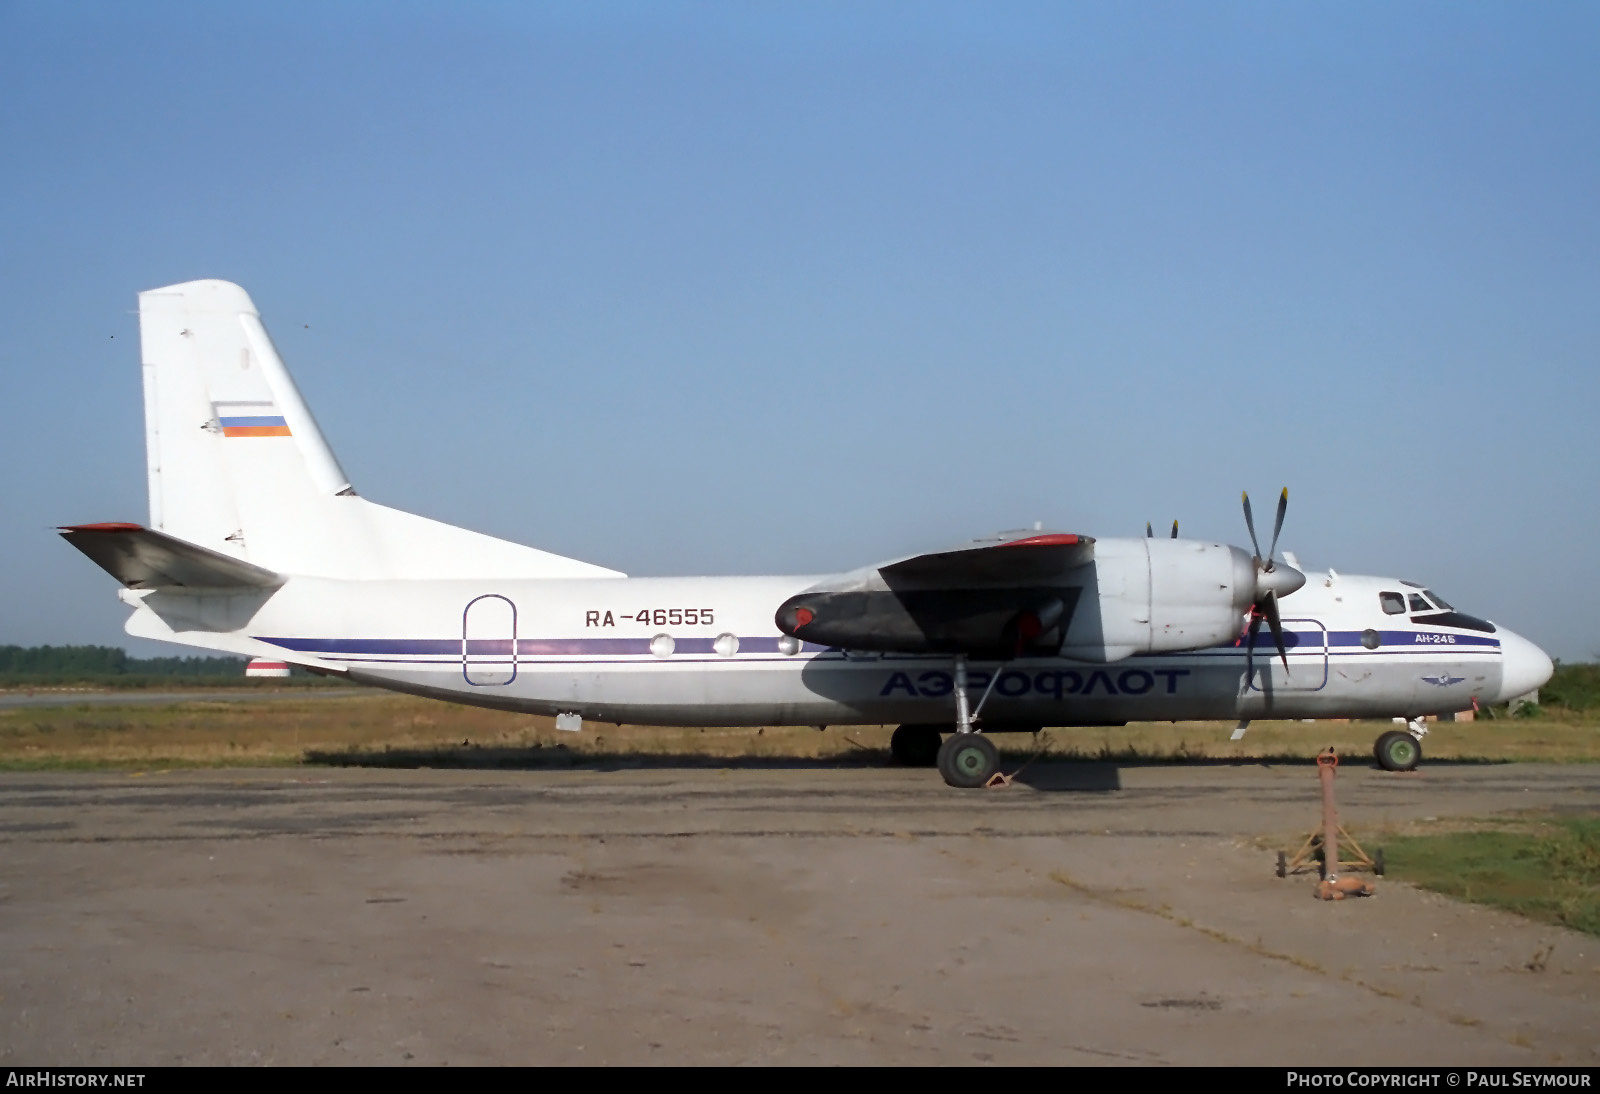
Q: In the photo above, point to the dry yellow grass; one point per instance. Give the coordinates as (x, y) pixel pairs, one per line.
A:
(383, 728)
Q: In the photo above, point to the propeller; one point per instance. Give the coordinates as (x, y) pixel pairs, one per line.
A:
(1150, 533)
(1273, 579)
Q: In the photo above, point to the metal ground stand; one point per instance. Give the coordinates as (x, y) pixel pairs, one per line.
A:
(1326, 844)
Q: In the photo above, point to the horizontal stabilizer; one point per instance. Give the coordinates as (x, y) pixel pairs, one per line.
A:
(144, 559)
(1014, 557)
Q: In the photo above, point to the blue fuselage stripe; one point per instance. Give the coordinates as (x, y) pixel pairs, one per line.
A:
(1303, 642)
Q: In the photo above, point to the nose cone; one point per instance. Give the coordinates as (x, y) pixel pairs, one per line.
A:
(1281, 580)
(1524, 667)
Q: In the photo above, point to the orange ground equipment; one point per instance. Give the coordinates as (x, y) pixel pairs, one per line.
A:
(1322, 847)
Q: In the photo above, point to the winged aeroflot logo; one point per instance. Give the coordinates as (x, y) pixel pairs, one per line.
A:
(1443, 680)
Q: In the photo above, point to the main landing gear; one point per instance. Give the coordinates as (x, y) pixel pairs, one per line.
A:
(967, 759)
(916, 746)
(1401, 749)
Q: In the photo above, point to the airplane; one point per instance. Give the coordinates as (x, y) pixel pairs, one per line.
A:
(258, 545)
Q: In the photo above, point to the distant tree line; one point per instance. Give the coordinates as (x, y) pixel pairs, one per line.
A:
(110, 666)
(1575, 687)
(109, 661)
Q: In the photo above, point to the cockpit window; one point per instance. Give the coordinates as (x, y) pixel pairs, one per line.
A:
(1439, 600)
(1420, 605)
(1393, 603)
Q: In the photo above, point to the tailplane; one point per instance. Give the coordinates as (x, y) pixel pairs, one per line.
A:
(143, 559)
(239, 467)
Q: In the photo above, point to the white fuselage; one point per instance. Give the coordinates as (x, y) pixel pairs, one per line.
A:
(706, 651)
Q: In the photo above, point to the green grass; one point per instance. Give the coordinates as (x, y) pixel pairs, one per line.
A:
(385, 729)
(1545, 867)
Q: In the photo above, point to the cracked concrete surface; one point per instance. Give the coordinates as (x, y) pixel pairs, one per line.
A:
(768, 913)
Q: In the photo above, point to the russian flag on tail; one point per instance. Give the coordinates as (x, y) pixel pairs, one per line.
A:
(250, 419)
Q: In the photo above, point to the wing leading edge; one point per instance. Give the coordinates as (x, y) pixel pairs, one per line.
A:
(1008, 557)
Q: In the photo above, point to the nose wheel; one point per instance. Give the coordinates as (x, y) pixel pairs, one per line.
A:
(968, 760)
(1397, 750)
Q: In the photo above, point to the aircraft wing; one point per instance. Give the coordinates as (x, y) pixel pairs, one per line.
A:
(1007, 557)
(141, 558)
(998, 596)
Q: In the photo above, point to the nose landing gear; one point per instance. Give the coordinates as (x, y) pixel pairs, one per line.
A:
(1400, 749)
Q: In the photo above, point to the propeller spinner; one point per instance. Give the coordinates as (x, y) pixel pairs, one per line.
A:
(1273, 579)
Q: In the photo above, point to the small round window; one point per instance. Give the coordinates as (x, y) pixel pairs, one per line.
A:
(1371, 639)
(662, 645)
(726, 645)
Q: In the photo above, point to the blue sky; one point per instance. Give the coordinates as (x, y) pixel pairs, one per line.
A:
(743, 288)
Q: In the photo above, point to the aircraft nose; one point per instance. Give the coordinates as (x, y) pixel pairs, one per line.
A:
(1523, 666)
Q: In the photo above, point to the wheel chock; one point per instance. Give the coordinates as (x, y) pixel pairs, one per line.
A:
(1337, 888)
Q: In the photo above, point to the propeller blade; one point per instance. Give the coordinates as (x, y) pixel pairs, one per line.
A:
(1277, 525)
(1250, 523)
(1174, 529)
(1149, 532)
(1270, 603)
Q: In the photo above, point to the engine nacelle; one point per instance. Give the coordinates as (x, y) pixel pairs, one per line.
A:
(1160, 596)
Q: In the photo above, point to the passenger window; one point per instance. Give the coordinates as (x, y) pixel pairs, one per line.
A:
(1420, 605)
(1393, 603)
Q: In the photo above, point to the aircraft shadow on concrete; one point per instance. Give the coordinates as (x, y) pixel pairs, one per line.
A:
(1043, 775)
(1082, 774)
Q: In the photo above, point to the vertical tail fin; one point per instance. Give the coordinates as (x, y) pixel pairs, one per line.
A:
(238, 464)
(217, 401)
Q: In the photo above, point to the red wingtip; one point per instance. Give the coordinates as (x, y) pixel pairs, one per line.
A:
(107, 526)
(1049, 539)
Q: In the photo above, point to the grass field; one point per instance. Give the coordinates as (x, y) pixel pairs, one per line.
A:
(1542, 866)
(384, 729)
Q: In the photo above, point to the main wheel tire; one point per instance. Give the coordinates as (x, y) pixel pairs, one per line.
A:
(915, 746)
(1397, 750)
(968, 760)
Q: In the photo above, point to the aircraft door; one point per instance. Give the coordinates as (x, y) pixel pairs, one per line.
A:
(1308, 658)
(489, 641)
